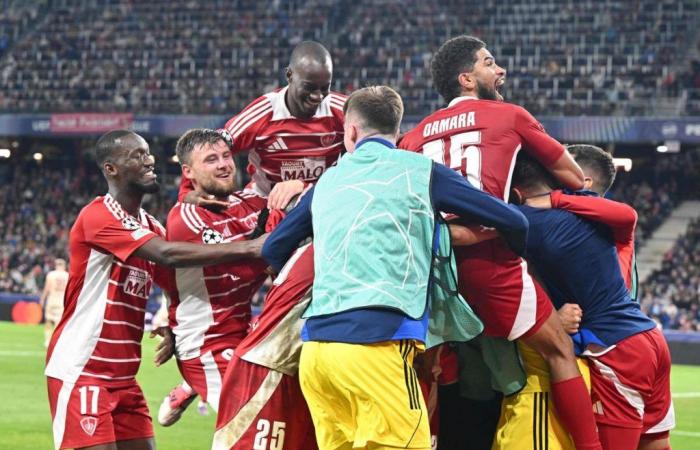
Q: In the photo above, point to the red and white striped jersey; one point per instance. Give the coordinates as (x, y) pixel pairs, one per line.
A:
(99, 335)
(283, 147)
(210, 306)
(275, 337)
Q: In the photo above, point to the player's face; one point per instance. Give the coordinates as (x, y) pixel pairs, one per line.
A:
(137, 165)
(212, 169)
(309, 84)
(489, 76)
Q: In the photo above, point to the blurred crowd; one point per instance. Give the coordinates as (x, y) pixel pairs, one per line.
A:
(38, 205)
(671, 295)
(588, 57)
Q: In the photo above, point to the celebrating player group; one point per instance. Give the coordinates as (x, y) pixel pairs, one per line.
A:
(387, 253)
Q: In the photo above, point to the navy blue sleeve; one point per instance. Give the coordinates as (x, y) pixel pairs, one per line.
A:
(290, 232)
(451, 193)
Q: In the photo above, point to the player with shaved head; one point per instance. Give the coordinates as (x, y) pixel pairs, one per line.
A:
(95, 352)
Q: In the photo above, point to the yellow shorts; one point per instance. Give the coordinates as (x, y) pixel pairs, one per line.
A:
(528, 420)
(364, 396)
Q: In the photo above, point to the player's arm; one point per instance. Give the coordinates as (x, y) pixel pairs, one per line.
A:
(462, 235)
(290, 232)
(453, 194)
(621, 218)
(185, 254)
(45, 292)
(548, 151)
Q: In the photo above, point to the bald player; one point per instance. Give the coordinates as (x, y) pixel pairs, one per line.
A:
(52, 297)
(291, 134)
(95, 353)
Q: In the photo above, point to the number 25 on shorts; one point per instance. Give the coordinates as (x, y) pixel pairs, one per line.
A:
(269, 438)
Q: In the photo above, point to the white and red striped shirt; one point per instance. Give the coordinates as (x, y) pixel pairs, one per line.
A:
(99, 335)
(283, 147)
(210, 306)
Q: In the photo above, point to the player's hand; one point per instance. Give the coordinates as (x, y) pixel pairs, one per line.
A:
(570, 315)
(166, 347)
(283, 193)
(205, 201)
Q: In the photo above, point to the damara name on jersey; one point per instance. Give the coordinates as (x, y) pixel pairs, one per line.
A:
(463, 120)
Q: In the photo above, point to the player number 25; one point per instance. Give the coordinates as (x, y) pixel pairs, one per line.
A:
(95, 392)
(464, 153)
(276, 436)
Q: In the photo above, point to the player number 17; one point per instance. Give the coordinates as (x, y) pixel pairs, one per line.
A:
(462, 154)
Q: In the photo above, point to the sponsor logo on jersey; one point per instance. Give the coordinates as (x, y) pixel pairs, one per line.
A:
(89, 425)
(210, 236)
(137, 283)
(303, 169)
(328, 139)
(130, 223)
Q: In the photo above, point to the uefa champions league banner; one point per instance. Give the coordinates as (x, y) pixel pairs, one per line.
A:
(565, 129)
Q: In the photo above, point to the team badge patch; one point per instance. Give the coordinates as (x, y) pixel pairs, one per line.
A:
(130, 223)
(328, 139)
(89, 425)
(210, 236)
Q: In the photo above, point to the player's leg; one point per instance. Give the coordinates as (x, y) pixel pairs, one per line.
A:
(175, 403)
(655, 441)
(133, 426)
(568, 389)
(364, 394)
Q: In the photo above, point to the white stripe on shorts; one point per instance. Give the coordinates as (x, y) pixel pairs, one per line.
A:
(228, 435)
(213, 379)
(59, 420)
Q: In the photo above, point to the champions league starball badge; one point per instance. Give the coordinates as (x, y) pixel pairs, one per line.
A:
(130, 223)
(210, 236)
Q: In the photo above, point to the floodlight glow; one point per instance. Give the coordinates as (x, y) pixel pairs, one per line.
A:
(5, 153)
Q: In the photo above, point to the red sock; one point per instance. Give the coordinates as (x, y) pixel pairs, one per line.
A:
(574, 408)
(618, 438)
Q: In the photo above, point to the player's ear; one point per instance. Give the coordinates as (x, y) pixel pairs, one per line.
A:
(467, 81)
(187, 172)
(109, 169)
(587, 183)
(288, 74)
(516, 196)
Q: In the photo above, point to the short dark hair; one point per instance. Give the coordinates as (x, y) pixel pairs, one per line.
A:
(193, 138)
(596, 163)
(455, 56)
(380, 108)
(310, 50)
(529, 173)
(108, 143)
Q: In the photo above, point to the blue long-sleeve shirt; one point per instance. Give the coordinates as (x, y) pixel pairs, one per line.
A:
(449, 193)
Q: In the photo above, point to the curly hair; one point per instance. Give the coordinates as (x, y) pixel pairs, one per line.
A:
(455, 56)
(596, 163)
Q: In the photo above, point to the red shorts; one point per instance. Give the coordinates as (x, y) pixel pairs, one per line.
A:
(86, 413)
(631, 384)
(496, 284)
(262, 408)
(204, 374)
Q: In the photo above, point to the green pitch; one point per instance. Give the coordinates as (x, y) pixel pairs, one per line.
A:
(25, 421)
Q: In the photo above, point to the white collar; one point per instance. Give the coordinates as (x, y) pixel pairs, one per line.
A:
(461, 98)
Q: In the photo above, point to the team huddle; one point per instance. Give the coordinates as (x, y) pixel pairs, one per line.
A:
(386, 252)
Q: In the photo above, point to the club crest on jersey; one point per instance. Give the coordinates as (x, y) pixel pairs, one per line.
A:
(130, 223)
(89, 425)
(328, 139)
(303, 169)
(210, 236)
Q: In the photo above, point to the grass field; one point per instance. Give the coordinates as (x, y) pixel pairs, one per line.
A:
(25, 422)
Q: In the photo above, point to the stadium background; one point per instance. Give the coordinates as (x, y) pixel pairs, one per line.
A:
(622, 74)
